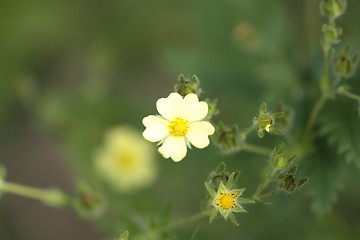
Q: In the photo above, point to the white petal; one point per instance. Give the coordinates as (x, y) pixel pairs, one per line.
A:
(193, 109)
(171, 106)
(198, 134)
(156, 128)
(174, 147)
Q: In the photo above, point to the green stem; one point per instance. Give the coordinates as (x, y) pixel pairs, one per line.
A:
(256, 197)
(257, 149)
(187, 220)
(325, 90)
(260, 189)
(314, 113)
(51, 197)
(348, 94)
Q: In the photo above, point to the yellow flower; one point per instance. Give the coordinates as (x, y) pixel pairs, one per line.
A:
(225, 201)
(179, 123)
(126, 160)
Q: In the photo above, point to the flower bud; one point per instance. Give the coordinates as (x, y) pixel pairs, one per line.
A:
(266, 121)
(88, 203)
(331, 33)
(345, 65)
(332, 8)
(187, 86)
(227, 139)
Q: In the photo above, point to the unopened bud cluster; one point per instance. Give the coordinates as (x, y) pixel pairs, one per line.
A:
(283, 170)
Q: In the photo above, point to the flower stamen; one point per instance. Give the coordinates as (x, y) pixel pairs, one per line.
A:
(226, 201)
(178, 127)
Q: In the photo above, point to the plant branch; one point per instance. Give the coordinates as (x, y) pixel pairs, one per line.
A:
(187, 220)
(257, 149)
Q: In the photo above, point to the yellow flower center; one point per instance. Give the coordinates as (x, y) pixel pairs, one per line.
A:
(178, 127)
(126, 160)
(226, 201)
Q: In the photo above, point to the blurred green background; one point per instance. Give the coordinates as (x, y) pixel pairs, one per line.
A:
(69, 70)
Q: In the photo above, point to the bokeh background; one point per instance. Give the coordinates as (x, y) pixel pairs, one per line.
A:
(69, 70)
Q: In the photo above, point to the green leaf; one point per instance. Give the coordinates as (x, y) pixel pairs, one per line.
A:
(326, 172)
(340, 124)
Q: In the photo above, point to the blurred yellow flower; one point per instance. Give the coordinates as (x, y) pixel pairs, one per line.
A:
(179, 123)
(126, 160)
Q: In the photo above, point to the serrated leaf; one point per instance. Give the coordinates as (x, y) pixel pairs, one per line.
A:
(326, 172)
(340, 125)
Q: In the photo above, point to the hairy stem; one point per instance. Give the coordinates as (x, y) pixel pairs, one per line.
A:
(52, 197)
(348, 94)
(257, 149)
(265, 195)
(187, 220)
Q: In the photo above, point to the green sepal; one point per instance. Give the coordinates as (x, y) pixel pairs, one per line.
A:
(263, 108)
(301, 182)
(293, 169)
(214, 213)
(124, 235)
(212, 108)
(260, 133)
(220, 168)
(211, 191)
(230, 181)
(243, 201)
(233, 219)
(277, 115)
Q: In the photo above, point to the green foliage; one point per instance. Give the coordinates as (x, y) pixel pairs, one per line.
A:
(340, 124)
(326, 172)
